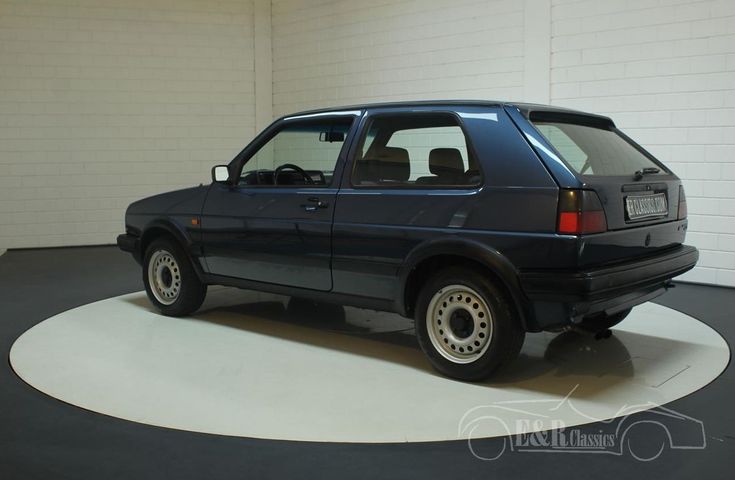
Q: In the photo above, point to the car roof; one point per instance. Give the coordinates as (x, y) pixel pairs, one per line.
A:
(524, 107)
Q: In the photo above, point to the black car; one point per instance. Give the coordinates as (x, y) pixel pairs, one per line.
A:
(482, 220)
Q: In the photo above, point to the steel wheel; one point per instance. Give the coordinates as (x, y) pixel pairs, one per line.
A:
(164, 277)
(459, 324)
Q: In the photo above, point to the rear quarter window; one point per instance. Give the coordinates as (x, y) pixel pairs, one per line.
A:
(422, 150)
(419, 143)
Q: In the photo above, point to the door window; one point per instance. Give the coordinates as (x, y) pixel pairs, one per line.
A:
(299, 154)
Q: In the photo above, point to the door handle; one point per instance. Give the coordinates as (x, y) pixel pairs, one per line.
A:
(319, 203)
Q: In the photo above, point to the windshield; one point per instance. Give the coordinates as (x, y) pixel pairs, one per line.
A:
(591, 150)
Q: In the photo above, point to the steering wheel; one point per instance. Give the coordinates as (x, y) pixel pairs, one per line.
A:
(295, 168)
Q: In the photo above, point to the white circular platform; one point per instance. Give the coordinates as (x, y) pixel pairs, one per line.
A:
(265, 366)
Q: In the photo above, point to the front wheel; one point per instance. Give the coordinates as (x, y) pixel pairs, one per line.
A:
(170, 281)
(466, 324)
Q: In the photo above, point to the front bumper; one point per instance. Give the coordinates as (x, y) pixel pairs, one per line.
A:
(561, 297)
(130, 243)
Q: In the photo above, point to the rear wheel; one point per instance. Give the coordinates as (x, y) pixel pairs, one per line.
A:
(466, 324)
(170, 281)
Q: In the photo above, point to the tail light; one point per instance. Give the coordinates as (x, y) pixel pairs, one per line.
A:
(682, 204)
(580, 212)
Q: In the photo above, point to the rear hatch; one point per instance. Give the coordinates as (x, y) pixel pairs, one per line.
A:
(639, 195)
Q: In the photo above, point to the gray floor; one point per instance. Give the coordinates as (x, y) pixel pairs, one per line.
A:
(41, 437)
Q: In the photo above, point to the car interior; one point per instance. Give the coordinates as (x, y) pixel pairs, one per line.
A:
(286, 176)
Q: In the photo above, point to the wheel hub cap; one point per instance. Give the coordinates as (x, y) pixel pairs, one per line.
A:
(164, 277)
(459, 323)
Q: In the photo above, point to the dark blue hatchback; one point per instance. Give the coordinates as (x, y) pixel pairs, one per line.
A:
(481, 220)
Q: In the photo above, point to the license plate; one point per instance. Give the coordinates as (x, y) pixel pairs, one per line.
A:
(644, 206)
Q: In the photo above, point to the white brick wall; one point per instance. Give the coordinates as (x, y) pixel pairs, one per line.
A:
(102, 103)
(664, 70)
(328, 52)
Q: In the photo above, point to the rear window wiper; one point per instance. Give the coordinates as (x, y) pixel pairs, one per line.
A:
(646, 171)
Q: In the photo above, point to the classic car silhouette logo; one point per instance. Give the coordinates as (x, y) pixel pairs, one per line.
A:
(644, 431)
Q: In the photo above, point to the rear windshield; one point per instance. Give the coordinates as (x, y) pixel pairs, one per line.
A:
(591, 150)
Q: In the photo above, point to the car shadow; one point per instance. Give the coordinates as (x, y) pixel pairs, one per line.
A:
(549, 363)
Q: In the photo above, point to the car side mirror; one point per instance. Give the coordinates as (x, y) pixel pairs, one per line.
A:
(220, 173)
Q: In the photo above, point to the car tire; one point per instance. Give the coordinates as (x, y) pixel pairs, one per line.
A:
(467, 324)
(602, 322)
(171, 282)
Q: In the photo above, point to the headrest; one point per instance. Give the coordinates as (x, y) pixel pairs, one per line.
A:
(446, 161)
(394, 164)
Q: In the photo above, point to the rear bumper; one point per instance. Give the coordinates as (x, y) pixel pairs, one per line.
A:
(569, 296)
(131, 244)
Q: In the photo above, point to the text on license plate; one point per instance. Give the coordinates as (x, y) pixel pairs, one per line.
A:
(642, 206)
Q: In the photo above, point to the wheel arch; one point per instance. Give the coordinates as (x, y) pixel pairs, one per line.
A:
(166, 228)
(441, 253)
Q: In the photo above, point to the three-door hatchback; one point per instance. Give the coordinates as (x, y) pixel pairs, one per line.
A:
(481, 220)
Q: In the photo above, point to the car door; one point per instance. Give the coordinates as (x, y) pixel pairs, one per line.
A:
(272, 221)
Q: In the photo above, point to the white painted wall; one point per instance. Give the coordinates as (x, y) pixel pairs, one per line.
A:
(102, 103)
